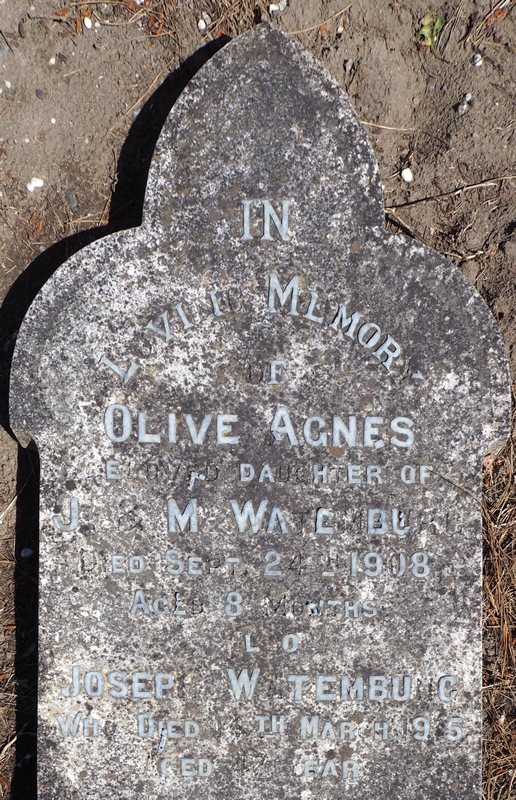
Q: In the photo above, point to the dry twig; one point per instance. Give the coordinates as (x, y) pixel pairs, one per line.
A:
(320, 24)
(499, 512)
(453, 193)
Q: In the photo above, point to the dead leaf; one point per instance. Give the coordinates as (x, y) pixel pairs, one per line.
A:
(489, 462)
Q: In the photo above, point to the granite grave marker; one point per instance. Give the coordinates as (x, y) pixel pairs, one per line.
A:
(261, 422)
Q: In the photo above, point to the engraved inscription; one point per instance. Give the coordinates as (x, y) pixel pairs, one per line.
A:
(264, 212)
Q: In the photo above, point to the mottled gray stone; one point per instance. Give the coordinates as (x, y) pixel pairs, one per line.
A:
(144, 570)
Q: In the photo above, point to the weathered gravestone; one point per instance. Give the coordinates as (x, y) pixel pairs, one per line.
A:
(261, 422)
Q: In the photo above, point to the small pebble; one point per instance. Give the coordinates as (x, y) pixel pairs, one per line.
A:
(26, 552)
(477, 60)
(273, 8)
(52, 61)
(71, 198)
(88, 23)
(41, 94)
(201, 25)
(8, 84)
(206, 17)
(4, 48)
(407, 175)
(464, 106)
(53, 121)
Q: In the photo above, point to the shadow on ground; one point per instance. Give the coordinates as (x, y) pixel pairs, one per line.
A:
(125, 212)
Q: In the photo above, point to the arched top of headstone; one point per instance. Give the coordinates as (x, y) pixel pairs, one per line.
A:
(259, 115)
(262, 166)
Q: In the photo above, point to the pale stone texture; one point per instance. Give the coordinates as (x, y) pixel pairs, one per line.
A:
(262, 121)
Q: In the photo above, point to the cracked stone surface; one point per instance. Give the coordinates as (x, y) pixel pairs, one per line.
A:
(261, 422)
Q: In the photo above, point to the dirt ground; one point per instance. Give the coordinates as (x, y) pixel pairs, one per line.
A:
(84, 89)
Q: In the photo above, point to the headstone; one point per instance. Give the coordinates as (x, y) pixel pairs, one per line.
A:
(261, 422)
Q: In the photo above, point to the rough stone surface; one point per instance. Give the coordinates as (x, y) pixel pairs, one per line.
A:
(260, 459)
